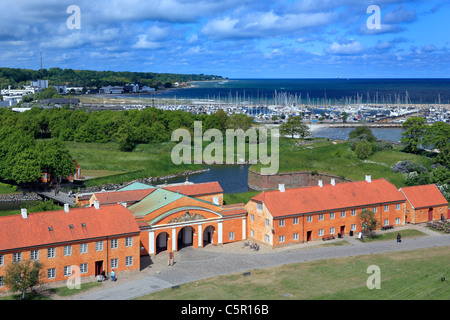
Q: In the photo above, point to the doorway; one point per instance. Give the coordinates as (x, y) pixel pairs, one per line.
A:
(208, 235)
(430, 214)
(98, 267)
(342, 230)
(308, 235)
(161, 242)
(185, 237)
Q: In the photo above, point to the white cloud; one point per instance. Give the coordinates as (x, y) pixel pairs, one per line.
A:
(351, 47)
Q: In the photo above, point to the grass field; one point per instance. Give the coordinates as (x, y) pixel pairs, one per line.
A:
(7, 189)
(408, 275)
(338, 159)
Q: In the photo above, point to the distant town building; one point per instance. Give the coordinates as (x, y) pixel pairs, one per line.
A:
(61, 89)
(40, 84)
(111, 90)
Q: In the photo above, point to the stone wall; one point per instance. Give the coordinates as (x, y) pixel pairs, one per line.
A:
(260, 182)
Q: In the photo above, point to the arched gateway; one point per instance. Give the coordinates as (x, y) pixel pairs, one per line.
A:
(171, 221)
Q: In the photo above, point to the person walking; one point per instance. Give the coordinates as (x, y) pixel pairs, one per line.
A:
(399, 237)
(113, 276)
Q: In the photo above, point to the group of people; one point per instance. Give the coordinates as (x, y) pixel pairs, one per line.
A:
(102, 277)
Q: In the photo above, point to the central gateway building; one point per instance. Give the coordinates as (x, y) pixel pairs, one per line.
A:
(171, 217)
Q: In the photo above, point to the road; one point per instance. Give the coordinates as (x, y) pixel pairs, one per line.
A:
(196, 264)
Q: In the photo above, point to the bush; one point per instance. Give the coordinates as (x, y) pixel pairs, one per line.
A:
(408, 167)
(363, 149)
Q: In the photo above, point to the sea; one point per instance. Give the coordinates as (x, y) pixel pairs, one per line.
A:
(315, 91)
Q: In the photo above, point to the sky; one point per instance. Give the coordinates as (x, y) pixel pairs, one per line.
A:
(231, 38)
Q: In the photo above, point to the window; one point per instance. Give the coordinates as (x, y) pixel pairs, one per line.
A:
(1, 282)
(321, 217)
(51, 273)
(231, 236)
(128, 242)
(281, 239)
(320, 232)
(332, 230)
(331, 215)
(67, 250)
(295, 236)
(34, 255)
(128, 261)
(386, 208)
(252, 217)
(295, 220)
(84, 268)
(114, 243)
(252, 233)
(397, 220)
(2, 259)
(17, 257)
(99, 246)
(267, 222)
(342, 214)
(259, 206)
(83, 248)
(374, 209)
(386, 222)
(267, 238)
(114, 263)
(67, 271)
(353, 227)
(397, 206)
(51, 253)
(353, 212)
(281, 223)
(308, 218)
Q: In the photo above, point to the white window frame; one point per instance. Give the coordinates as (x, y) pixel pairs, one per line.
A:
(386, 222)
(67, 271)
(295, 220)
(295, 237)
(114, 263)
(128, 242)
(332, 230)
(331, 215)
(17, 257)
(397, 206)
(281, 223)
(51, 253)
(321, 232)
(309, 218)
(320, 216)
(267, 238)
(267, 222)
(99, 246)
(2, 259)
(51, 273)
(34, 255)
(83, 268)
(259, 206)
(353, 212)
(386, 208)
(231, 235)
(252, 217)
(343, 213)
(114, 243)
(281, 239)
(374, 209)
(129, 261)
(397, 221)
(353, 227)
(68, 250)
(83, 248)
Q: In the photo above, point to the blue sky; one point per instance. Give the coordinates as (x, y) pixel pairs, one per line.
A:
(232, 38)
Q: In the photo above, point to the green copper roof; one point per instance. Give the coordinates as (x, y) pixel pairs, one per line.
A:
(136, 186)
(157, 199)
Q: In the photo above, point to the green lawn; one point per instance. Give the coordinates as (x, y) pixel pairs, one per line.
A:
(409, 275)
(338, 159)
(234, 198)
(153, 160)
(7, 189)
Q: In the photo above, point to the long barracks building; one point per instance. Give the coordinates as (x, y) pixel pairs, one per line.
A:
(116, 228)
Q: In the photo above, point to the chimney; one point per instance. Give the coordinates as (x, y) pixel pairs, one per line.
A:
(281, 187)
(124, 204)
(368, 178)
(333, 182)
(320, 183)
(96, 204)
(66, 207)
(24, 213)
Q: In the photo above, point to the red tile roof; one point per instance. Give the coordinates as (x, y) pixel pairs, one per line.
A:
(424, 196)
(233, 209)
(17, 232)
(328, 198)
(197, 189)
(122, 196)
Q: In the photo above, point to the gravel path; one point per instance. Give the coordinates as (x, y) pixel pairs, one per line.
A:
(196, 264)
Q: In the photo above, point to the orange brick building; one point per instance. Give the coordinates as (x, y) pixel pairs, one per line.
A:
(92, 239)
(424, 203)
(309, 213)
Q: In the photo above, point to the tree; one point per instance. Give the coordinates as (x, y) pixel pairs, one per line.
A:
(295, 126)
(364, 132)
(239, 121)
(344, 116)
(437, 135)
(413, 132)
(369, 222)
(363, 149)
(21, 276)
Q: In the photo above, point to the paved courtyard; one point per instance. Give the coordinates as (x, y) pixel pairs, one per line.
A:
(196, 264)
